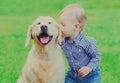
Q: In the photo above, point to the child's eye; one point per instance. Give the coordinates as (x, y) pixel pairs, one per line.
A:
(63, 25)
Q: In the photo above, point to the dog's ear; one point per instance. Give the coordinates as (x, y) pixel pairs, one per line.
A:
(59, 37)
(29, 35)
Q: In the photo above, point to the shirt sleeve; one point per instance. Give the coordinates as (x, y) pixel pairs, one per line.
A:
(94, 54)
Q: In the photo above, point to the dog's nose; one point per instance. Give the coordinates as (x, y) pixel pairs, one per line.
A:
(43, 27)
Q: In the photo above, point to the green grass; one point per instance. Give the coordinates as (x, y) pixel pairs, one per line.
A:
(16, 15)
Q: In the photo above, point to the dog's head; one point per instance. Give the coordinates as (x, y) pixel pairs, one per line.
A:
(43, 31)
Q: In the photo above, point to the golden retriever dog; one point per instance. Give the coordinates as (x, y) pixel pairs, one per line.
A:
(45, 62)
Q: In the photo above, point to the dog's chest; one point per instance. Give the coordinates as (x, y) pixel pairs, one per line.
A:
(42, 71)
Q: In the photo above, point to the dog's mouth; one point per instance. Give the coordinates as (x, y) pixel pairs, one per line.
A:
(44, 38)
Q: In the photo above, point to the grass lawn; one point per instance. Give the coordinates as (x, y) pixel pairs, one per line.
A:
(16, 15)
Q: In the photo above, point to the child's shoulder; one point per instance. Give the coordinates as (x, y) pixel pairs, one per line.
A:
(90, 40)
(87, 41)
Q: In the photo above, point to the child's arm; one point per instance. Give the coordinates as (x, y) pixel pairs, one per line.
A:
(95, 55)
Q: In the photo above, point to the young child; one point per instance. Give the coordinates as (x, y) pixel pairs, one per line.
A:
(81, 51)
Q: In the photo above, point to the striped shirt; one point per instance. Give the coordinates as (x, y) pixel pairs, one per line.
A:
(81, 51)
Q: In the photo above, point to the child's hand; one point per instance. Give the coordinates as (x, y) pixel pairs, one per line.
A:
(84, 71)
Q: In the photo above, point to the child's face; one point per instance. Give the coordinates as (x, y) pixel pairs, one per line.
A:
(69, 28)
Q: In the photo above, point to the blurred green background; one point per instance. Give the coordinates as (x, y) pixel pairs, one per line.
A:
(103, 23)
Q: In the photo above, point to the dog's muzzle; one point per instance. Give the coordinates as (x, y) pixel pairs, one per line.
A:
(44, 37)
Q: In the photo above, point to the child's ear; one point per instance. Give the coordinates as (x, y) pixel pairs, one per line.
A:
(77, 26)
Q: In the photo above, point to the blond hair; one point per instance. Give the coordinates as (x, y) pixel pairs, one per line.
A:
(77, 13)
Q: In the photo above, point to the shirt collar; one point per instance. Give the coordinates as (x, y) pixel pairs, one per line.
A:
(77, 39)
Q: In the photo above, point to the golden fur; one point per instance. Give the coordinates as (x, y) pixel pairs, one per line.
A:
(45, 63)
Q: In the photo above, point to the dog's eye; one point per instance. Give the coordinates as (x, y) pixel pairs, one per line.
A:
(38, 23)
(49, 22)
